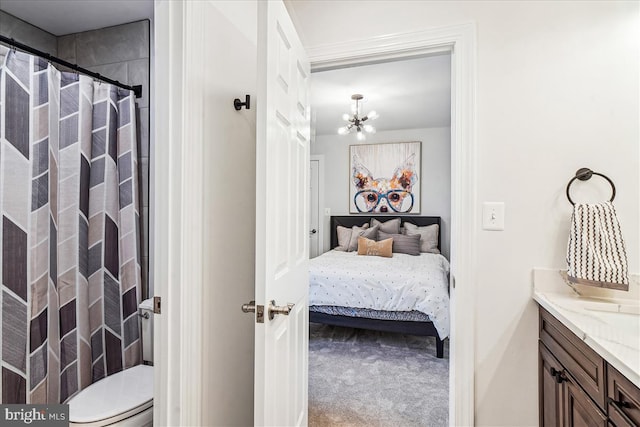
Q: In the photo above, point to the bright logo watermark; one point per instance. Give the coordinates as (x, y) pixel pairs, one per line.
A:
(34, 415)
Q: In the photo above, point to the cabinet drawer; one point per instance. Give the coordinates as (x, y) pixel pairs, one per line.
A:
(584, 364)
(624, 399)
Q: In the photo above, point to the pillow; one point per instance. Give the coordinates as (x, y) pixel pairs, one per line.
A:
(392, 226)
(428, 236)
(344, 237)
(371, 233)
(403, 244)
(372, 248)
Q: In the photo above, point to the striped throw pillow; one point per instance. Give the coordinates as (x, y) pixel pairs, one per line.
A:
(403, 244)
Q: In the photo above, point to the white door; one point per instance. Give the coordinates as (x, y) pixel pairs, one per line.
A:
(282, 221)
(314, 206)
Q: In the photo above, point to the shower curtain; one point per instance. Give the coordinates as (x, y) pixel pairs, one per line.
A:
(70, 258)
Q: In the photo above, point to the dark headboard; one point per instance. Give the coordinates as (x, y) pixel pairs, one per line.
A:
(351, 220)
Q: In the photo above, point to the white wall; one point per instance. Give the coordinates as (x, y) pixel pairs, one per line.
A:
(557, 90)
(434, 176)
(229, 267)
(206, 55)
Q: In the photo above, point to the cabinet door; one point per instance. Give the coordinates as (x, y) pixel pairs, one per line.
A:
(619, 418)
(579, 409)
(624, 399)
(549, 389)
(580, 360)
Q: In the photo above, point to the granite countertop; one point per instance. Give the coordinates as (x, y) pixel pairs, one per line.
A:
(607, 321)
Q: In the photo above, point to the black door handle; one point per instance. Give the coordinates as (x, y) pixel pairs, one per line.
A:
(559, 375)
(619, 403)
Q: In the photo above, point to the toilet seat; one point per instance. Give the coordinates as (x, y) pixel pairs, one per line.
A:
(114, 398)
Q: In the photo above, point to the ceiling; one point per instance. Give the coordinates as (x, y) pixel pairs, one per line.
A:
(60, 17)
(407, 94)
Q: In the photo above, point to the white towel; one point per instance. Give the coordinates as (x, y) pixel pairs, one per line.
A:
(596, 254)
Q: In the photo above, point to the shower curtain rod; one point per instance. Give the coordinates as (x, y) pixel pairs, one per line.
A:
(137, 90)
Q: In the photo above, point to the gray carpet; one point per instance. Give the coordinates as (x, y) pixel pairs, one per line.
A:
(368, 378)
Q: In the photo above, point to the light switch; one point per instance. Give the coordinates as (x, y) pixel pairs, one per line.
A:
(493, 216)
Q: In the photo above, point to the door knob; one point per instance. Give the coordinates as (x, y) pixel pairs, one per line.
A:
(274, 309)
(251, 307)
(314, 231)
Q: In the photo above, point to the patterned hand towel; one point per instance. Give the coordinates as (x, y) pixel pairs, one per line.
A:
(596, 254)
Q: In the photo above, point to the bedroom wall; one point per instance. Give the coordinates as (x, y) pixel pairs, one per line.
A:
(435, 174)
(557, 89)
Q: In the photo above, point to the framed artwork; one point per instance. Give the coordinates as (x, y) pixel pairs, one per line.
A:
(385, 178)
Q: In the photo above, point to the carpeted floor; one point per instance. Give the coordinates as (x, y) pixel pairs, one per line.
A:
(368, 378)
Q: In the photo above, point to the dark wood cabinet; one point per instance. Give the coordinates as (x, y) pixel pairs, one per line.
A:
(576, 386)
(584, 364)
(624, 399)
(562, 401)
(579, 409)
(551, 401)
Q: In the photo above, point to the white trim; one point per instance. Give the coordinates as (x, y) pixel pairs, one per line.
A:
(152, 162)
(164, 396)
(460, 40)
(178, 256)
(192, 217)
(383, 48)
(321, 219)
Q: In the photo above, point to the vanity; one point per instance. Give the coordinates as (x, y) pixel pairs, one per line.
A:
(589, 355)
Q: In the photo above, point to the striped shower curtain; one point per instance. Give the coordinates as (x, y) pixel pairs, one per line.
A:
(70, 258)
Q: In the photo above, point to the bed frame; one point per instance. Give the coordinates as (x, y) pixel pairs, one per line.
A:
(404, 327)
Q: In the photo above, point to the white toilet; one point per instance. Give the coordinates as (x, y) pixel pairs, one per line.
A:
(122, 399)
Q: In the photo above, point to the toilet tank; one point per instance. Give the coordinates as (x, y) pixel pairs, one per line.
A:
(146, 322)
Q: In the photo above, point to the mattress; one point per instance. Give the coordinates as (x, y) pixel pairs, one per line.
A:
(403, 283)
(368, 313)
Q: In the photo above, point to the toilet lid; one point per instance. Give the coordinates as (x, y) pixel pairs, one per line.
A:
(113, 396)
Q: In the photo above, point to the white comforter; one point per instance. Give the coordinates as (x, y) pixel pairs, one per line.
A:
(401, 283)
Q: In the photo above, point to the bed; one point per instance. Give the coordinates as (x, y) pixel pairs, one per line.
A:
(404, 294)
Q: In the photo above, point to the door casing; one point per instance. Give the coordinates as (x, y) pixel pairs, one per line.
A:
(321, 216)
(185, 391)
(178, 155)
(460, 41)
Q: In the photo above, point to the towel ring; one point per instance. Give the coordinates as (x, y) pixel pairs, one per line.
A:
(583, 174)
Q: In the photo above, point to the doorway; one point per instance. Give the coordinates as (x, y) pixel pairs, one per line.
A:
(413, 100)
(316, 205)
(182, 313)
(460, 41)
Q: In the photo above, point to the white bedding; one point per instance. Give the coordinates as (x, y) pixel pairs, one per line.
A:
(401, 283)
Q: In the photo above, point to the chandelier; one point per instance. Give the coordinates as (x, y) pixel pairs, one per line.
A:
(356, 121)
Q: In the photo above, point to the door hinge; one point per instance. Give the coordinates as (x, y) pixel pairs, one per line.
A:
(156, 305)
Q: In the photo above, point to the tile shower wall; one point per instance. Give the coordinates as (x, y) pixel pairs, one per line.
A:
(21, 31)
(121, 53)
